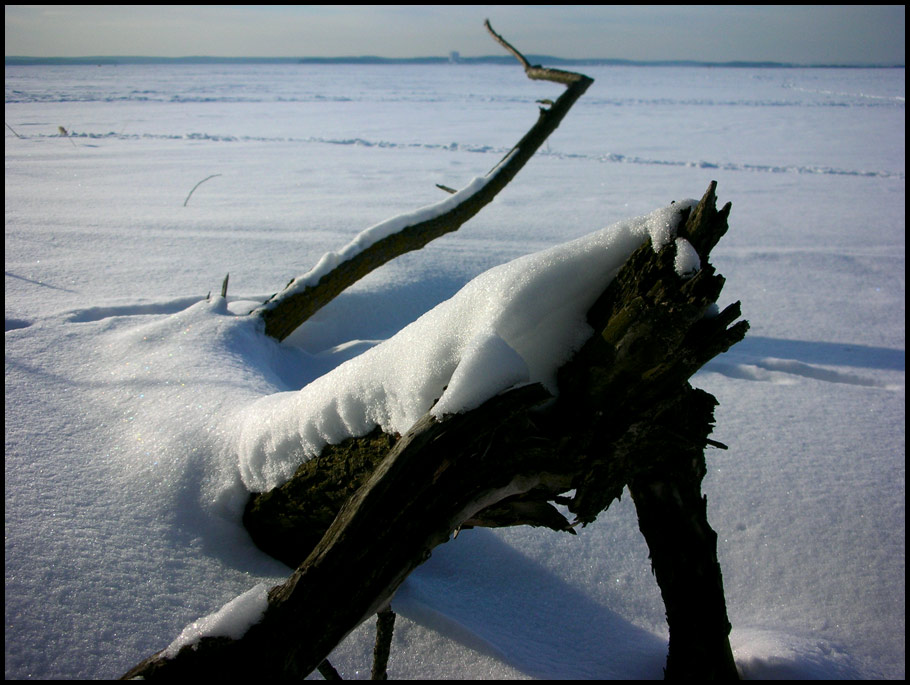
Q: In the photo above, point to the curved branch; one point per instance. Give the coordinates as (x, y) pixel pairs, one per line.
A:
(190, 194)
(535, 71)
(507, 45)
(372, 248)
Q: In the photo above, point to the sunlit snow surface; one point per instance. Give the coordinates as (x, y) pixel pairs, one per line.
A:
(127, 392)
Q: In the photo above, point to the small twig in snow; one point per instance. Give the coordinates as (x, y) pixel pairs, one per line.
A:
(197, 185)
(65, 134)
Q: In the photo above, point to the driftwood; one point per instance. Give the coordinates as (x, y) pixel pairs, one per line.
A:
(358, 519)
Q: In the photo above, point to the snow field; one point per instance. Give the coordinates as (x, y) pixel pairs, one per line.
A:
(124, 385)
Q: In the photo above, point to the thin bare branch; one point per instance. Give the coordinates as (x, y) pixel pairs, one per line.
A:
(507, 45)
(286, 310)
(63, 132)
(535, 71)
(196, 186)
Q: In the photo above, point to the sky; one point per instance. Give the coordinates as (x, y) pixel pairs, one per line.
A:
(803, 34)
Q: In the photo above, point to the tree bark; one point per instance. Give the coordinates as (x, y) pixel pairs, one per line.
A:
(385, 623)
(672, 516)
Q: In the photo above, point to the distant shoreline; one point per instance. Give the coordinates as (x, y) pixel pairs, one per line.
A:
(534, 59)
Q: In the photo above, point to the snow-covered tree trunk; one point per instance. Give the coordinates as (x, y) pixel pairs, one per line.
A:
(625, 415)
(359, 518)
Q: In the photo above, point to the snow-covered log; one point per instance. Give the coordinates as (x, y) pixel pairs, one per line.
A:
(356, 520)
(519, 426)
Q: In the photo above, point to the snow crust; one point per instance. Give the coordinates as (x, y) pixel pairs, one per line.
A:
(516, 323)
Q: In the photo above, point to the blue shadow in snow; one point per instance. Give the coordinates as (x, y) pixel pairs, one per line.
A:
(374, 315)
(13, 324)
(484, 594)
(9, 274)
(834, 354)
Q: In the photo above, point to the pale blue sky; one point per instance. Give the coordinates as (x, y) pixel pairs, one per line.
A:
(803, 34)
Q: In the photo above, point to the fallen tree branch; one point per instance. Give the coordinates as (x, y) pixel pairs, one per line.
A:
(358, 519)
(304, 296)
(13, 130)
(625, 415)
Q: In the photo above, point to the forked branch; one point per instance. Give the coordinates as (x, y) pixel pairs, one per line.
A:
(535, 71)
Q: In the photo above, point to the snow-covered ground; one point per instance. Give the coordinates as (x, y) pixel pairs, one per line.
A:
(124, 387)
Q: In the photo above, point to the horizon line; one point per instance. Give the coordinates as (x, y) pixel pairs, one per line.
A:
(453, 58)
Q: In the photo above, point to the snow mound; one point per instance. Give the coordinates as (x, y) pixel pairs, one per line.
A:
(516, 323)
(232, 620)
(687, 262)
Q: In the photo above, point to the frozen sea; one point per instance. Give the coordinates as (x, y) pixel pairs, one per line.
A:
(122, 485)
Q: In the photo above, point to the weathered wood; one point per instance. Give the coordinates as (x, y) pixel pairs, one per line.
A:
(672, 516)
(380, 535)
(627, 367)
(289, 521)
(614, 417)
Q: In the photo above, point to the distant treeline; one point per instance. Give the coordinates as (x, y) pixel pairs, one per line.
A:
(493, 59)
